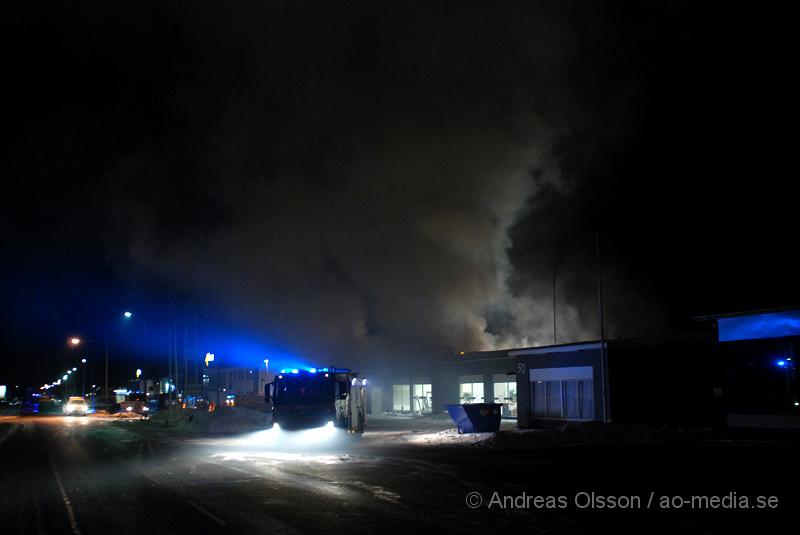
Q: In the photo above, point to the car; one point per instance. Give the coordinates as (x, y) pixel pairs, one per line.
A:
(76, 405)
(135, 403)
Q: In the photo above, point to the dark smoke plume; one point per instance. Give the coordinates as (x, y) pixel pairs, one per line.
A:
(354, 176)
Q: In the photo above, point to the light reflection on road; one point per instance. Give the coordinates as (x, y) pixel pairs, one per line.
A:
(274, 446)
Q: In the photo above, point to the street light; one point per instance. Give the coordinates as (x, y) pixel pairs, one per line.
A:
(83, 377)
(128, 315)
(77, 341)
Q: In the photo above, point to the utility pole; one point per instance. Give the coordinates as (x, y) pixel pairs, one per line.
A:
(185, 350)
(106, 390)
(195, 355)
(169, 366)
(177, 372)
(603, 352)
(555, 337)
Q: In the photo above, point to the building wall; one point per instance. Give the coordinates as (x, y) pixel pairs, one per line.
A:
(760, 377)
(675, 380)
(665, 380)
(443, 376)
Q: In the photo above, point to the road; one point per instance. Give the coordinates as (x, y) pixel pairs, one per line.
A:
(92, 475)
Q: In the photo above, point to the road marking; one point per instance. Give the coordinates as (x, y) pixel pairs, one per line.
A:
(73, 524)
(210, 515)
(10, 431)
(157, 483)
(39, 529)
(272, 524)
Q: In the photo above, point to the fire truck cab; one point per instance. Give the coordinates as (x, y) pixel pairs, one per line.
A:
(316, 397)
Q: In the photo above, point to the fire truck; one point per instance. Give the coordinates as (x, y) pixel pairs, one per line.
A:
(318, 397)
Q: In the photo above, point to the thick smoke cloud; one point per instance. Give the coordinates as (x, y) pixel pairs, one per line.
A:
(392, 180)
(354, 177)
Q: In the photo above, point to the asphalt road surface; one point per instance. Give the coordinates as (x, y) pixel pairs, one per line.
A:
(91, 475)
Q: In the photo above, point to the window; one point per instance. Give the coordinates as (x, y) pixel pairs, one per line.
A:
(586, 391)
(539, 399)
(401, 397)
(570, 399)
(563, 393)
(553, 399)
(505, 392)
(422, 398)
(471, 392)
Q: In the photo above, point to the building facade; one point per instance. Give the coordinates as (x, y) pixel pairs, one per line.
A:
(425, 388)
(736, 370)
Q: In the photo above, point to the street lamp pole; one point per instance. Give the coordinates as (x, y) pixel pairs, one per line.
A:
(77, 341)
(129, 315)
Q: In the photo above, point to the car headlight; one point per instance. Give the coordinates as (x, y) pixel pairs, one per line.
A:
(145, 409)
(129, 408)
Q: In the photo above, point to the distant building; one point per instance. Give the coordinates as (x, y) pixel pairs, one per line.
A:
(240, 381)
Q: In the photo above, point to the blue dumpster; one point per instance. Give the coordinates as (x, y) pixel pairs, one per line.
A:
(475, 417)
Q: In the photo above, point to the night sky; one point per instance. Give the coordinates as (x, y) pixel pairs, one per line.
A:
(349, 182)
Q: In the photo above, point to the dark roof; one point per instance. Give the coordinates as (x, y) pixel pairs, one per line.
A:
(711, 317)
(499, 353)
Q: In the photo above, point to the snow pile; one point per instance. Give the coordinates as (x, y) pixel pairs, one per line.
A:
(227, 420)
(237, 420)
(125, 415)
(446, 437)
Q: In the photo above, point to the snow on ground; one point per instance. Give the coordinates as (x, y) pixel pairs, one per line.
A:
(429, 430)
(446, 437)
(249, 429)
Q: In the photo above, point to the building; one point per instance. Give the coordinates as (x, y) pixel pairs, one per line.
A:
(735, 370)
(756, 358)
(652, 380)
(424, 388)
(236, 380)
